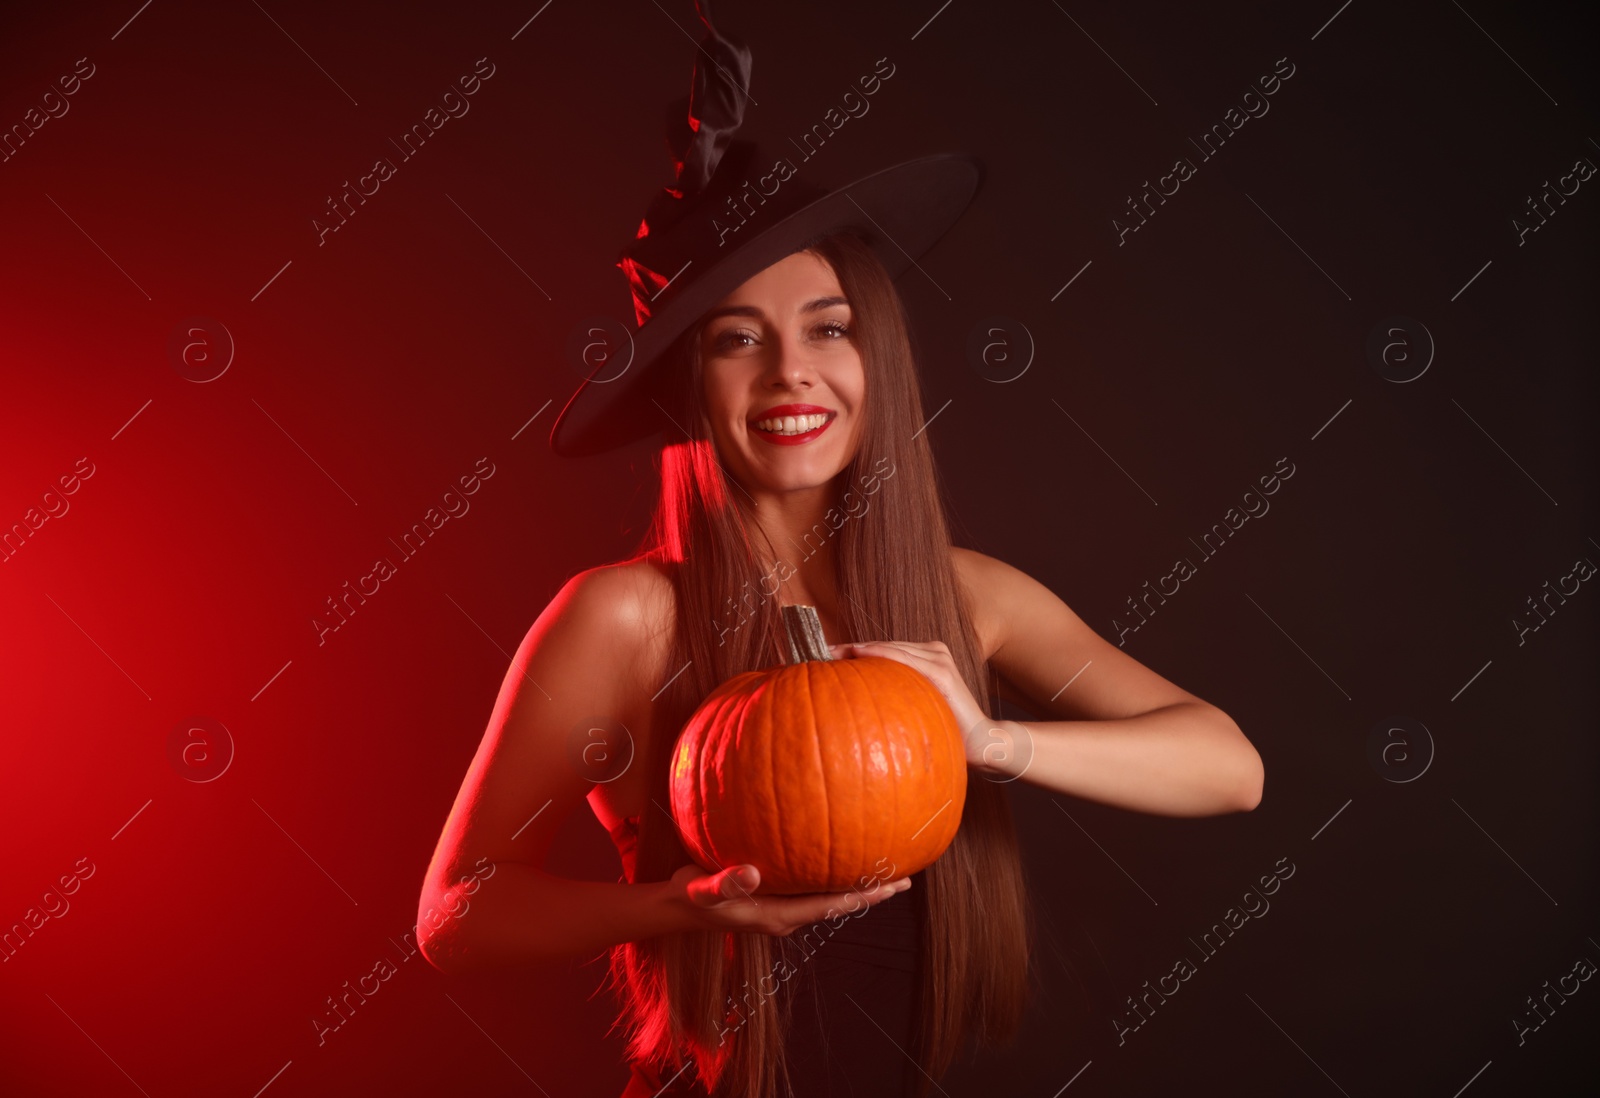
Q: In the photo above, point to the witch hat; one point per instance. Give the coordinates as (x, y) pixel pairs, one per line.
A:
(736, 207)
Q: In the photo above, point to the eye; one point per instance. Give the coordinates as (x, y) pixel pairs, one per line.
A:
(833, 329)
(727, 341)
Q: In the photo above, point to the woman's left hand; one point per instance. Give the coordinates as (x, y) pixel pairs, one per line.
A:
(934, 660)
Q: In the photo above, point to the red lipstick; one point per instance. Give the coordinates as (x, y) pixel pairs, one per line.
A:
(781, 410)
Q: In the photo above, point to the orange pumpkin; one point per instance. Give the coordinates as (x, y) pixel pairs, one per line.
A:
(823, 773)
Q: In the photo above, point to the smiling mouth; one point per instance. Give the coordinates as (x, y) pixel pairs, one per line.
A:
(790, 430)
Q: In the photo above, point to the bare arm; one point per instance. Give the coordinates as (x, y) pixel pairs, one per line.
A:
(485, 901)
(1128, 736)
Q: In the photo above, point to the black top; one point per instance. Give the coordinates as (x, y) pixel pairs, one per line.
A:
(854, 994)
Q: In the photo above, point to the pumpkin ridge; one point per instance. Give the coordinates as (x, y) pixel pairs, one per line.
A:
(697, 788)
(822, 768)
(769, 733)
(896, 840)
(799, 770)
(756, 722)
(846, 845)
(861, 687)
(731, 704)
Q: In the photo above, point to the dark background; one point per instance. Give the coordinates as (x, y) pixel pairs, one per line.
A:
(1178, 367)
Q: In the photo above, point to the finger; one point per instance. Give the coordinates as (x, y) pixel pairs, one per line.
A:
(740, 882)
(736, 881)
(894, 650)
(829, 904)
(886, 890)
(729, 884)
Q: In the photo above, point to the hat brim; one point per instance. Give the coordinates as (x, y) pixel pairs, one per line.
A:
(900, 211)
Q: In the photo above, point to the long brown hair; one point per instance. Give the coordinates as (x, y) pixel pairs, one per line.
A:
(897, 581)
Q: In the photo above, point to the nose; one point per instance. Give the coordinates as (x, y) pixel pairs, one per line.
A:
(789, 364)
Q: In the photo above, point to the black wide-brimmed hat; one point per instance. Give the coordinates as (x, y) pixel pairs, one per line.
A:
(735, 208)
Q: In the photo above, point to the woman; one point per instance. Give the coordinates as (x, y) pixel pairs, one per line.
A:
(821, 327)
(726, 990)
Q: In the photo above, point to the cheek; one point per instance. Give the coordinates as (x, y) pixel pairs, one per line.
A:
(849, 381)
(715, 398)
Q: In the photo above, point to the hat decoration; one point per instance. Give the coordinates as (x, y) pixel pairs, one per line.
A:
(720, 222)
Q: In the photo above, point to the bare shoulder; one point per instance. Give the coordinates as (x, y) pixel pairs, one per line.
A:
(631, 601)
(625, 591)
(632, 605)
(1004, 595)
(1038, 644)
(980, 575)
(993, 577)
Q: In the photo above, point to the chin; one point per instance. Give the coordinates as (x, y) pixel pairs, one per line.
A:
(796, 475)
(785, 468)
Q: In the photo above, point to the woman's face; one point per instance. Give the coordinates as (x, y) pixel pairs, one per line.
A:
(783, 338)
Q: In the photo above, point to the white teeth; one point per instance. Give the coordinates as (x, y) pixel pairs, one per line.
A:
(791, 425)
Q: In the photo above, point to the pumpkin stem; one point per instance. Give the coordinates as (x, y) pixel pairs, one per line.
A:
(804, 629)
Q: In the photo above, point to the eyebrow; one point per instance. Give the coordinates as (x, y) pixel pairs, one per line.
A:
(812, 306)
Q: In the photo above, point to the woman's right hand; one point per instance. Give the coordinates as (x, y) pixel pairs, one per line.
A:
(726, 901)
